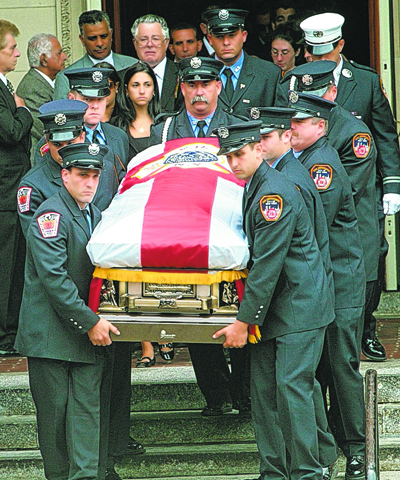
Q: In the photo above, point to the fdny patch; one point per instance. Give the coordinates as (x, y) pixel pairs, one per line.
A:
(322, 176)
(48, 224)
(24, 199)
(361, 145)
(44, 149)
(271, 207)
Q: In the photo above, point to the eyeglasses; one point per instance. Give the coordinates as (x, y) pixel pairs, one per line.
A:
(144, 41)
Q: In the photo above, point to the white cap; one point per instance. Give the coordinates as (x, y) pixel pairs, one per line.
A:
(322, 31)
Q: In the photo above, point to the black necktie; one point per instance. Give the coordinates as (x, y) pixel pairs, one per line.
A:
(10, 87)
(201, 124)
(86, 214)
(229, 84)
(95, 139)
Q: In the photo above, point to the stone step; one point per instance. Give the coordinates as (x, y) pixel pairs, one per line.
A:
(174, 388)
(175, 428)
(208, 461)
(389, 305)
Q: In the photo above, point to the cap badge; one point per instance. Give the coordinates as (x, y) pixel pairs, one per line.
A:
(60, 119)
(223, 132)
(93, 149)
(97, 76)
(307, 79)
(197, 77)
(195, 62)
(347, 73)
(318, 33)
(254, 113)
(223, 14)
(293, 97)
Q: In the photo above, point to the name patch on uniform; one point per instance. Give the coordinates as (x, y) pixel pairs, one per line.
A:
(44, 149)
(322, 176)
(361, 145)
(271, 207)
(24, 199)
(48, 224)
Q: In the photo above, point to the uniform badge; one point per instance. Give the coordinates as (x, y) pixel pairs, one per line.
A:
(97, 76)
(361, 145)
(254, 113)
(48, 224)
(93, 149)
(242, 86)
(322, 176)
(347, 73)
(44, 149)
(223, 132)
(197, 77)
(223, 14)
(318, 33)
(60, 119)
(293, 97)
(195, 62)
(24, 199)
(307, 80)
(271, 207)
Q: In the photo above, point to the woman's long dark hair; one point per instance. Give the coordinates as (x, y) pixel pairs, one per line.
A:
(125, 112)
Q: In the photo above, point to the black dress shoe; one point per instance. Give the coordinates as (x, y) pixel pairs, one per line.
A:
(374, 350)
(111, 474)
(8, 350)
(215, 410)
(134, 447)
(355, 468)
(243, 405)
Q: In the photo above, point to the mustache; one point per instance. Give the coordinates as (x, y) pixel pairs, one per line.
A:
(199, 98)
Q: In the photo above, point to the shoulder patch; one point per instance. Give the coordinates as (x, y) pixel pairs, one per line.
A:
(24, 199)
(271, 207)
(44, 149)
(322, 176)
(48, 224)
(361, 144)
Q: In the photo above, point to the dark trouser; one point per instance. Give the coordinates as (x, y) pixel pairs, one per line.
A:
(340, 373)
(12, 261)
(120, 401)
(73, 403)
(214, 378)
(374, 288)
(283, 402)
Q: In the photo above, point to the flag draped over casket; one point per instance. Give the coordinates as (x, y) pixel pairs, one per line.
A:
(179, 206)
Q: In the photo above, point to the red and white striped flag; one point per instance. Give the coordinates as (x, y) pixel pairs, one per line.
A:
(179, 206)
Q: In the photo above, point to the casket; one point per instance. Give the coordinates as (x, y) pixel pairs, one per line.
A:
(170, 249)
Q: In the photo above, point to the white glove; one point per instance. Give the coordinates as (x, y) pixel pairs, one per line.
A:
(391, 203)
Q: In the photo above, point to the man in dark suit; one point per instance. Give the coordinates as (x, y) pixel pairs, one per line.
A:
(360, 91)
(151, 38)
(46, 58)
(340, 367)
(200, 86)
(15, 142)
(91, 86)
(96, 37)
(184, 43)
(247, 81)
(279, 309)
(69, 377)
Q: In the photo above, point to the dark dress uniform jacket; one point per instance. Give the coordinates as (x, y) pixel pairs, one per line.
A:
(287, 289)
(343, 130)
(180, 126)
(54, 316)
(344, 237)
(15, 142)
(256, 86)
(44, 180)
(298, 174)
